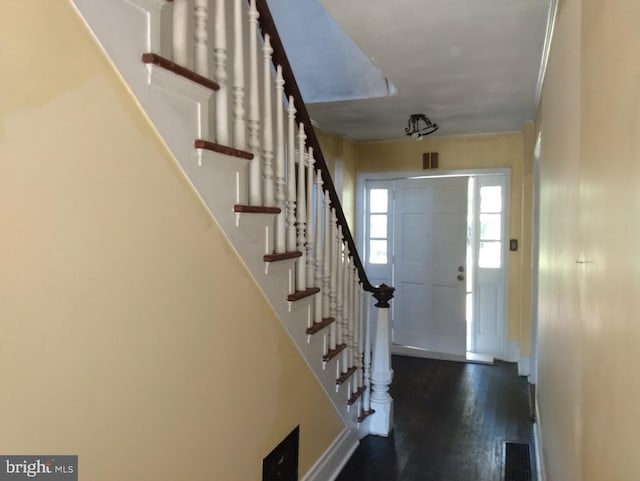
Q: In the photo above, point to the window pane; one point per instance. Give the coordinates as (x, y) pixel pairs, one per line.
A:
(489, 256)
(378, 225)
(377, 251)
(490, 226)
(491, 198)
(378, 200)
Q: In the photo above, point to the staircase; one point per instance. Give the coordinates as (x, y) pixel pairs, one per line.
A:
(214, 80)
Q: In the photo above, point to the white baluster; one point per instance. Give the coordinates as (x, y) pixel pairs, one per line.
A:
(181, 32)
(333, 280)
(201, 36)
(326, 274)
(310, 223)
(366, 396)
(291, 178)
(301, 221)
(346, 310)
(255, 166)
(319, 259)
(339, 288)
(353, 320)
(280, 243)
(381, 401)
(239, 124)
(359, 334)
(267, 127)
(220, 56)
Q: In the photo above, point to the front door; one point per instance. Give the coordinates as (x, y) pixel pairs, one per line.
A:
(429, 232)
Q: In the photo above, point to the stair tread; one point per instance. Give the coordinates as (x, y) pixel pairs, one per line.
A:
(346, 375)
(255, 209)
(317, 326)
(333, 352)
(222, 149)
(365, 414)
(165, 63)
(281, 257)
(354, 397)
(296, 296)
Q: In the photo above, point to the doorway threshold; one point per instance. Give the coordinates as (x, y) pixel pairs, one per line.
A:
(411, 351)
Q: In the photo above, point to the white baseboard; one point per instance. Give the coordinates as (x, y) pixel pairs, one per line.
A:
(523, 366)
(513, 351)
(426, 354)
(537, 436)
(329, 465)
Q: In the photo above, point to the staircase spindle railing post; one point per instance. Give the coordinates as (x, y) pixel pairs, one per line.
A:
(239, 124)
(366, 396)
(267, 125)
(360, 334)
(319, 246)
(333, 281)
(301, 211)
(381, 372)
(310, 222)
(201, 36)
(280, 242)
(326, 268)
(291, 177)
(220, 56)
(180, 42)
(339, 288)
(255, 165)
(352, 318)
(346, 310)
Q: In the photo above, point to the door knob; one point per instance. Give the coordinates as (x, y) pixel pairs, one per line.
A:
(460, 269)
(461, 277)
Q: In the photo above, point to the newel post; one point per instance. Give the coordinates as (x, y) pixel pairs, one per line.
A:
(381, 372)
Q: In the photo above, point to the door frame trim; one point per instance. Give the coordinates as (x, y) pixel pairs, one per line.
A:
(362, 179)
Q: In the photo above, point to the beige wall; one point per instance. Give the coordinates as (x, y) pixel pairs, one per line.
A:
(474, 152)
(340, 153)
(331, 145)
(589, 332)
(122, 338)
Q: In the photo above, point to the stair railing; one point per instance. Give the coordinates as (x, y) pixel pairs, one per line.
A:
(289, 176)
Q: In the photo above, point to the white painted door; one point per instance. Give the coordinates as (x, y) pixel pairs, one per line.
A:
(429, 232)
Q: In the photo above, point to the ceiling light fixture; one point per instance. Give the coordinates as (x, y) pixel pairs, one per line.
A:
(419, 126)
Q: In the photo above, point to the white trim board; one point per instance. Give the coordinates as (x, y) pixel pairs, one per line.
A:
(329, 465)
(426, 354)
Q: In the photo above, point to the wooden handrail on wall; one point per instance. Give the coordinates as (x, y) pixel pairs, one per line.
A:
(302, 116)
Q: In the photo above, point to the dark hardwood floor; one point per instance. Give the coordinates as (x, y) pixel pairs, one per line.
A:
(451, 421)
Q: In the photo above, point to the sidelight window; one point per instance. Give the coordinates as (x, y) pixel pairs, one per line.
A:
(490, 223)
(378, 239)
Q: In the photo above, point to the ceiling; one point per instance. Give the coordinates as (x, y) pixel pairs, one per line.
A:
(364, 66)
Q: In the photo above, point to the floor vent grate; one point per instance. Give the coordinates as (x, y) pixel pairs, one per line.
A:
(517, 462)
